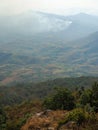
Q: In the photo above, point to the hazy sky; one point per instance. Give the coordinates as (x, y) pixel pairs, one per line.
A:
(52, 6)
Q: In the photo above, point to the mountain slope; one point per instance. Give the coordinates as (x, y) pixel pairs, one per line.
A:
(48, 55)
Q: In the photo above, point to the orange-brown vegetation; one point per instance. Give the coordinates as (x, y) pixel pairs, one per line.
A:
(44, 120)
(50, 120)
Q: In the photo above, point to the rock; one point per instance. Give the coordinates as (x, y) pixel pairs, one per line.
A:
(71, 125)
(50, 128)
(39, 114)
(44, 113)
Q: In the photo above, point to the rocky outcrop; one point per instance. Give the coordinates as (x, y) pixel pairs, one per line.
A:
(46, 120)
(71, 125)
(49, 120)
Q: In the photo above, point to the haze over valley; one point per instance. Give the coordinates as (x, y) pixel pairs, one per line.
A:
(37, 46)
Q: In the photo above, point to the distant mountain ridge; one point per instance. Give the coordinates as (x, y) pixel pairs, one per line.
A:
(31, 23)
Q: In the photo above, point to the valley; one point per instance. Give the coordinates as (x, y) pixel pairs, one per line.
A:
(51, 52)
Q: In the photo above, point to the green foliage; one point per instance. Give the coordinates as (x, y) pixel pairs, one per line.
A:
(90, 96)
(76, 115)
(94, 102)
(85, 97)
(16, 124)
(62, 99)
(24, 91)
(81, 118)
(13, 125)
(2, 119)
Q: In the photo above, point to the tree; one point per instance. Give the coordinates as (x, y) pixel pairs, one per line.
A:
(2, 119)
(94, 101)
(85, 97)
(90, 96)
(62, 99)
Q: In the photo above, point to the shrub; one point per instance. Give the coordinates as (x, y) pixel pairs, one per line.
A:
(2, 119)
(76, 115)
(80, 117)
(62, 99)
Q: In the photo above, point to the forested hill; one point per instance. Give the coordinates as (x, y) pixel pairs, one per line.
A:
(60, 108)
(26, 91)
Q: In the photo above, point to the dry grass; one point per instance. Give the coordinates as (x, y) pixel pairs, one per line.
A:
(49, 120)
(44, 121)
